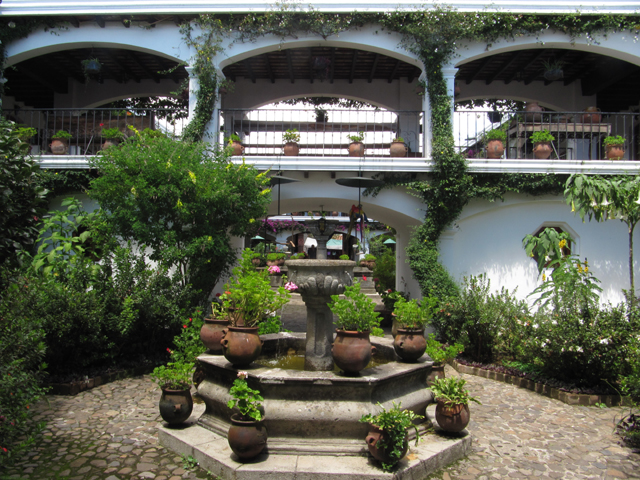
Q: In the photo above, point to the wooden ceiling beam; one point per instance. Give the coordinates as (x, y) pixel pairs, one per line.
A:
(479, 69)
(395, 70)
(332, 70)
(512, 60)
(247, 65)
(37, 78)
(123, 74)
(373, 67)
(519, 71)
(290, 65)
(74, 22)
(609, 73)
(100, 21)
(582, 67)
(354, 62)
(272, 75)
(536, 73)
(134, 58)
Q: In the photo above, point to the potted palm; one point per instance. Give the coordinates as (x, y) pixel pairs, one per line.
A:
(440, 354)
(247, 435)
(291, 138)
(234, 144)
(351, 350)
(398, 148)
(614, 147)
(388, 437)
(452, 409)
(60, 142)
(174, 379)
(542, 147)
(412, 317)
(112, 136)
(495, 143)
(356, 147)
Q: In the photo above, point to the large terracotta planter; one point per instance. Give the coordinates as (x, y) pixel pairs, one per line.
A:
(409, 344)
(291, 149)
(454, 418)
(211, 334)
(542, 150)
(370, 264)
(241, 345)
(237, 149)
(247, 438)
(356, 149)
(591, 115)
(383, 453)
(351, 351)
(175, 405)
(614, 152)
(533, 109)
(398, 149)
(495, 148)
(276, 263)
(59, 146)
(110, 142)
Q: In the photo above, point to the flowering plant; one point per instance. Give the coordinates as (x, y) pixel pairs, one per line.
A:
(246, 399)
(174, 376)
(274, 269)
(290, 286)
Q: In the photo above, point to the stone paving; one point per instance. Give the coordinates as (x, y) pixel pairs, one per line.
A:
(109, 433)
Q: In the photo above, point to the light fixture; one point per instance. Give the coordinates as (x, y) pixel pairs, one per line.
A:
(389, 241)
(322, 225)
(257, 237)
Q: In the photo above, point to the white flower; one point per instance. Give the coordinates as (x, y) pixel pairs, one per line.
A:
(579, 349)
(243, 375)
(605, 341)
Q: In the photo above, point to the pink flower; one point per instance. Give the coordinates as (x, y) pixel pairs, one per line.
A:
(274, 269)
(169, 350)
(184, 326)
(290, 286)
(243, 375)
(364, 278)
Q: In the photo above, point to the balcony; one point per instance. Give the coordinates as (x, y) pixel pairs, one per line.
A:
(324, 137)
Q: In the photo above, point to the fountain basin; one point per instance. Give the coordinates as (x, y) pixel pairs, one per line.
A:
(314, 412)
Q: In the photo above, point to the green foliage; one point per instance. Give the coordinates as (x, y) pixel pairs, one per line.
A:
(22, 349)
(246, 399)
(495, 134)
(546, 246)
(359, 137)
(451, 391)
(439, 353)
(22, 198)
(630, 383)
(183, 201)
(385, 271)
(394, 423)
(542, 136)
(188, 345)
(614, 140)
(423, 257)
(342, 257)
(390, 297)
(25, 133)
(61, 135)
(414, 315)
(174, 376)
(276, 256)
(114, 133)
(291, 135)
(370, 258)
(356, 311)
(248, 297)
(398, 140)
(66, 182)
(233, 138)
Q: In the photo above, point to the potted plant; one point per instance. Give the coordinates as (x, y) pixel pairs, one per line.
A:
(247, 436)
(398, 148)
(276, 259)
(388, 437)
(60, 142)
(591, 115)
(174, 379)
(356, 147)
(440, 354)
(248, 299)
(412, 317)
(91, 66)
(495, 143)
(275, 276)
(322, 116)
(368, 261)
(542, 147)
(452, 409)
(614, 147)
(112, 136)
(211, 332)
(299, 256)
(291, 138)
(356, 318)
(343, 257)
(234, 144)
(553, 70)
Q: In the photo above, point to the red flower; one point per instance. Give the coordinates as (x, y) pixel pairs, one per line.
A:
(168, 350)
(364, 278)
(217, 295)
(4, 449)
(227, 293)
(184, 326)
(190, 320)
(102, 124)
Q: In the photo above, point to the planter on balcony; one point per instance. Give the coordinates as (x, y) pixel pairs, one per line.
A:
(356, 149)
(291, 149)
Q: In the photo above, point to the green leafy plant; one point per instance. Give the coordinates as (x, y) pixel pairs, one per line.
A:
(112, 133)
(61, 135)
(233, 138)
(398, 140)
(25, 133)
(174, 376)
(291, 136)
(390, 297)
(299, 256)
(276, 256)
(359, 137)
(356, 312)
(394, 424)
(414, 315)
(542, 136)
(451, 391)
(440, 353)
(370, 258)
(246, 399)
(188, 462)
(613, 140)
(546, 246)
(344, 257)
(495, 134)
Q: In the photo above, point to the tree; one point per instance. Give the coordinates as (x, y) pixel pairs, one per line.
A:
(604, 199)
(181, 199)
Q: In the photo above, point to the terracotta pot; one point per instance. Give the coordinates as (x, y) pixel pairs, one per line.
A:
(495, 148)
(356, 149)
(542, 150)
(395, 326)
(275, 263)
(291, 149)
(211, 334)
(454, 418)
(351, 351)
(175, 405)
(370, 264)
(436, 371)
(241, 345)
(256, 262)
(247, 438)
(409, 344)
(614, 152)
(591, 115)
(532, 108)
(237, 148)
(398, 149)
(383, 453)
(110, 142)
(59, 146)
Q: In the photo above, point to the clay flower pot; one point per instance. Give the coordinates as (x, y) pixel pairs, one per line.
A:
(398, 149)
(247, 438)
(409, 344)
(370, 264)
(591, 115)
(211, 334)
(356, 149)
(495, 148)
(291, 149)
(59, 146)
(542, 150)
(351, 351)
(237, 149)
(453, 418)
(383, 453)
(614, 152)
(241, 345)
(175, 405)
(436, 371)
(110, 142)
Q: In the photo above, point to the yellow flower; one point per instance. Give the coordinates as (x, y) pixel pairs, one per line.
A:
(193, 176)
(179, 204)
(544, 277)
(563, 243)
(209, 238)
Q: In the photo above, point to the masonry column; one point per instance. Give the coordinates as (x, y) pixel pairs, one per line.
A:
(194, 85)
(426, 121)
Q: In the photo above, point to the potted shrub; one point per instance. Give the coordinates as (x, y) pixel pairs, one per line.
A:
(112, 136)
(356, 147)
(452, 409)
(614, 147)
(90, 67)
(60, 142)
(412, 317)
(495, 143)
(234, 144)
(388, 437)
(276, 259)
(174, 379)
(356, 319)
(291, 138)
(369, 261)
(553, 70)
(440, 354)
(248, 299)
(542, 147)
(247, 436)
(299, 256)
(398, 148)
